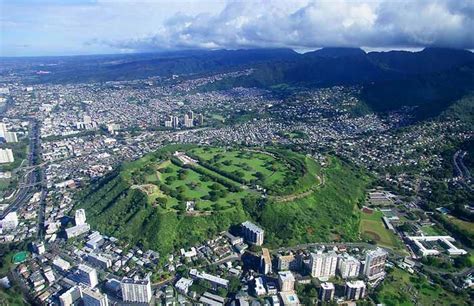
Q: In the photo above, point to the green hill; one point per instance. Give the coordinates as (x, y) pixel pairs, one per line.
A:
(145, 202)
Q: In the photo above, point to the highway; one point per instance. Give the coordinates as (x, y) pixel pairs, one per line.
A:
(27, 184)
(461, 170)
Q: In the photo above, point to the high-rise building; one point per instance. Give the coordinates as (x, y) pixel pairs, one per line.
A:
(374, 266)
(135, 290)
(190, 115)
(86, 275)
(200, 119)
(355, 290)
(323, 265)
(94, 297)
(286, 280)
(80, 217)
(326, 293)
(169, 122)
(348, 266)
(70, 296)
(175, 121)
(188, 121)
(265, 262)
(252, 233)
(288, 262)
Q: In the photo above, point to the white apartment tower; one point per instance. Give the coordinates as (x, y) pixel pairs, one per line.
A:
(87, 275)
(286, 280)
(70, 296)
(93, 297)
(348, 267)
(375, 264)
(355, 290)
(323, 265)
(265, 262)
(252, 233)
(326, 293)
(80, 217)
(136, 291)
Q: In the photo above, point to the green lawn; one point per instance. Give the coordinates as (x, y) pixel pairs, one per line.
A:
(402, 288)
(432, 230)
(250, 166)
(20, 150)
(463, 225)
(281, 172)
(372, 227)
(189, 185)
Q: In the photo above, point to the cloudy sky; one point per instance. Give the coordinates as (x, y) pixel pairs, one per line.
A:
(66, 27)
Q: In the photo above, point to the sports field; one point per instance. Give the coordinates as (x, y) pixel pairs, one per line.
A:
(372, 227)
(19, 257)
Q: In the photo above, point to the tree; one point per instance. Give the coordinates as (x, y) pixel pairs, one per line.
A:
(234, 284)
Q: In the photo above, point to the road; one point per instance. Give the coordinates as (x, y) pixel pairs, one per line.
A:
(27, 184)
(461, 170)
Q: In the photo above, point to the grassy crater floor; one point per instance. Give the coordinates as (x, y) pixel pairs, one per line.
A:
(147, 201)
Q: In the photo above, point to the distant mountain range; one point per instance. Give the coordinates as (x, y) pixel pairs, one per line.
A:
(431, 79)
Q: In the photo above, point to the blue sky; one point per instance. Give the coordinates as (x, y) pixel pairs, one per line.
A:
(67, 27)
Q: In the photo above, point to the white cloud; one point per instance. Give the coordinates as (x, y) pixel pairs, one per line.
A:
(151, 25)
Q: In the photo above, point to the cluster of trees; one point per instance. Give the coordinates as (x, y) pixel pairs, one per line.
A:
(217, 170)
(225, 182)
(465, 237)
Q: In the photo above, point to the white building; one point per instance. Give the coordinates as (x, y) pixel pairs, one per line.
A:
(252, 233)
(70, 296)
(136, 290)
(10, 221)
(323, 265)
(6, 156)
(375, 263)
(100, 261)
(348, 266)
(38, 248)
(446, 241)
(189, 253)
(188, 121)
(286, 280)
(216, 281)
(80, 217)
(93, 297)
(183, 284)
(77, 230)
(86, 275)
(326, 293)
(265, 262)
(259, 287)
(355, 290)
(61, 264)
(5, 134)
